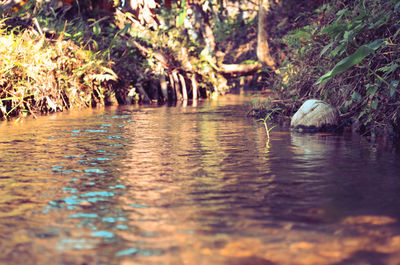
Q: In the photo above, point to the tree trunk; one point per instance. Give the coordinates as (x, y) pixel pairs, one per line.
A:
(164, 87)
(183, 86)
(263, 54)
(194, 87)
(176, 84)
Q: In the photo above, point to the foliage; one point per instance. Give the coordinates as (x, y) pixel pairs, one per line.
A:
(183, 44)
(352, 59)
(348, 56)
(39, 75)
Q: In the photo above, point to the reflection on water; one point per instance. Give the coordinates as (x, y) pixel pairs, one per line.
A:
(192, 185)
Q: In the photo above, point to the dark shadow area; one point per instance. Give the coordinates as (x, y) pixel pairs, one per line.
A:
(365, 257)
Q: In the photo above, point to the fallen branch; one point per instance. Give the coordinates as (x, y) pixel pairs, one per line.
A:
(239, 69)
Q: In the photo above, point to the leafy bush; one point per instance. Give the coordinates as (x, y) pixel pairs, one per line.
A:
(350, 57)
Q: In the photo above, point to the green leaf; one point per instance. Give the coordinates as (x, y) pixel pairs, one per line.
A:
(371, 90)
(339, 50)
(355, 96)
(392, 92)
(390, 68)
(181, 18)
(362, 113)
(393, 86)
(270, 129)
(374, 104)
(334, 30)
(376, 44)
(352, 60)
(340, 13)
(95, 45)
(326, 48)
(348, 35)
(77, 35)
(96, 29)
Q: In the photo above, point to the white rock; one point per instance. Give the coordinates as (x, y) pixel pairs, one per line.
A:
(315, 115)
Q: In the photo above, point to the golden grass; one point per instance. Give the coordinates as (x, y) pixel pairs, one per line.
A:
(39, 75)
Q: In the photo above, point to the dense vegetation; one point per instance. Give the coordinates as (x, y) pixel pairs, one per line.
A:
(347, 53)
(61, 54)
(67, 54)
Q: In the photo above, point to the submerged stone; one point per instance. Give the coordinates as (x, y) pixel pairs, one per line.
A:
(313, 116)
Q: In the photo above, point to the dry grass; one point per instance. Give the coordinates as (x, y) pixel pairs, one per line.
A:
(39, 75)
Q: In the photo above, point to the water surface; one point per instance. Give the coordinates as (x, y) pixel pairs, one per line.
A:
(192, 185)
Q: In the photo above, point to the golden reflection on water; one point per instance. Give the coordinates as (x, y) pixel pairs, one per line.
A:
(175, 220)
(196, 185)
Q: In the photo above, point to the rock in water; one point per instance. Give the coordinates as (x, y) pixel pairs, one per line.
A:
(315, 115)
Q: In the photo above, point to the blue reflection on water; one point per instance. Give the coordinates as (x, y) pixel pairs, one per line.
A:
(91, 189)
(97, 193)
(96, 131)
(117, 187)
(121, 116)
(126, 252)
(104, 234)
(75, 243)
(102, 158)
(134, 205)
(114, 137)
(69, 189)
(137, 251)
(121, 227)
(84, 215)
(73, 156)
(94, 170)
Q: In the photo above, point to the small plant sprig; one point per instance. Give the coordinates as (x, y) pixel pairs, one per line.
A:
(267, 117)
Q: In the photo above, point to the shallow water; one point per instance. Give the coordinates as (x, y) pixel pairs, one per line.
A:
(192, 185)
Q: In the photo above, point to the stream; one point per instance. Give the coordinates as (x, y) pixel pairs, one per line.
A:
(192, 185)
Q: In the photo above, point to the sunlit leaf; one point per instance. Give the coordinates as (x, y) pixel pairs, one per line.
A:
(352, 60)
(348, 35)
(390, 68)
(180, 19)
(96, 29)
(78, 35)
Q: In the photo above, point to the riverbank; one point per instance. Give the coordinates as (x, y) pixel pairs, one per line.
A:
(78, 54)
(344, 53)
(42, 75)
